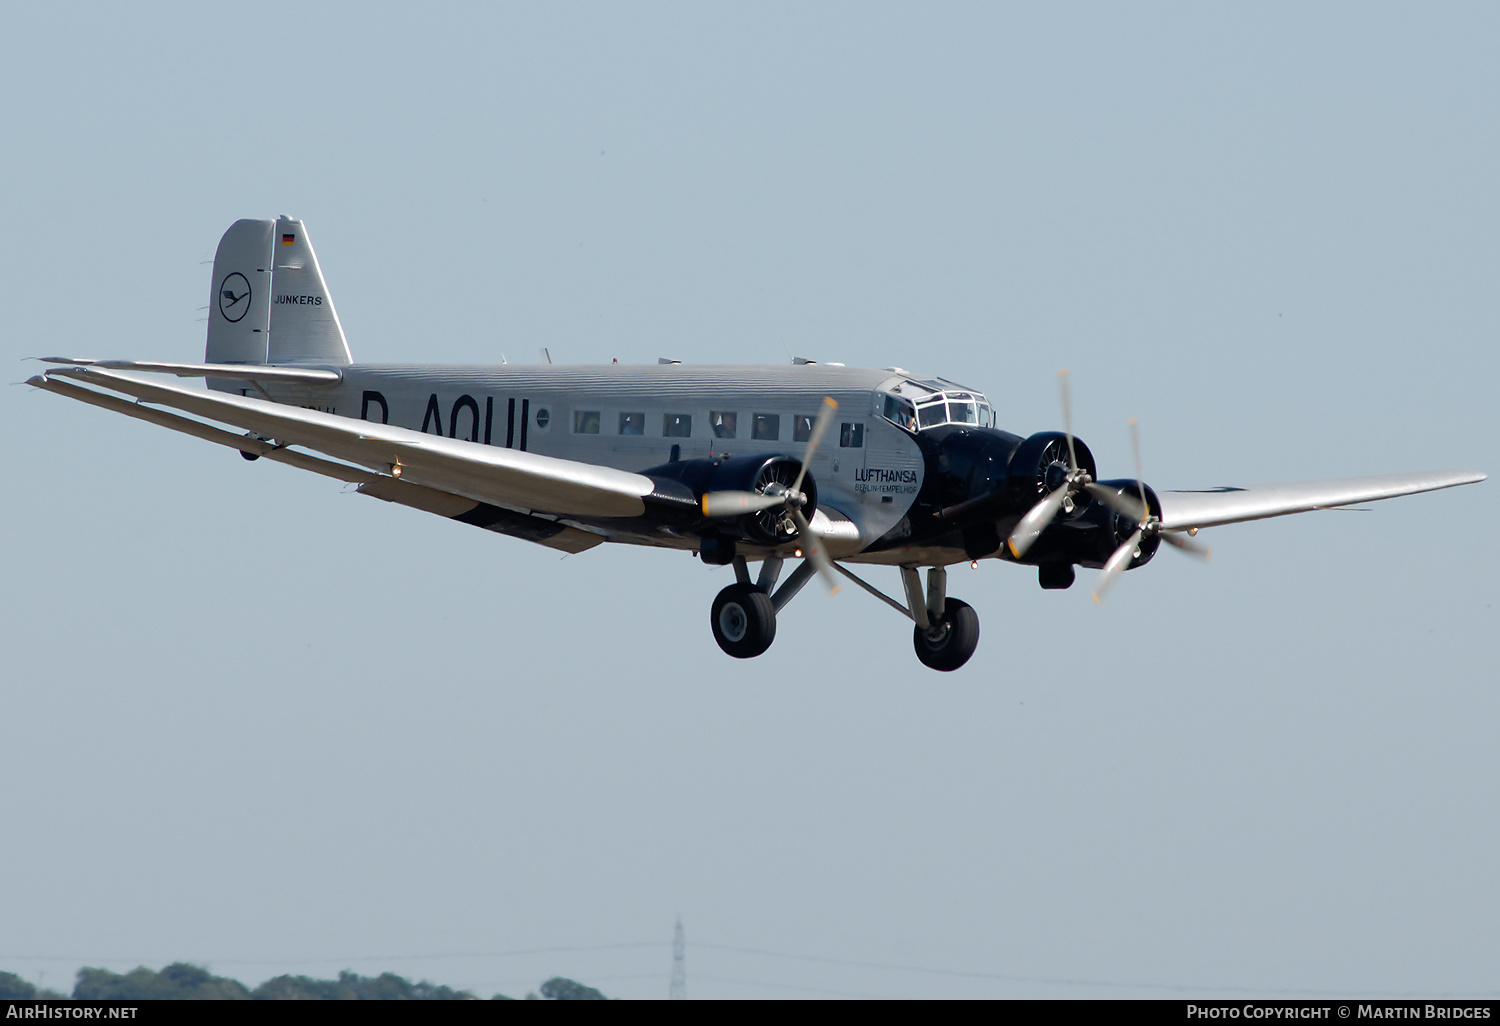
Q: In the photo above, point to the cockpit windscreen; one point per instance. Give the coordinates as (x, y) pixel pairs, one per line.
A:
(920, 405)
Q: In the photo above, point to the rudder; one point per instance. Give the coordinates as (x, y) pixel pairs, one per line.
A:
(304, 326)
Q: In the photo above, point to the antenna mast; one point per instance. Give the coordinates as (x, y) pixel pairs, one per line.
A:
(679, 969)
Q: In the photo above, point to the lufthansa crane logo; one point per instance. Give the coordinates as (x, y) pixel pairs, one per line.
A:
(234, 297)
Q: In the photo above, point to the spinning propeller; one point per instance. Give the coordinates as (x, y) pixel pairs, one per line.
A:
(1150, 524)
(791, 499)
(1078, 481)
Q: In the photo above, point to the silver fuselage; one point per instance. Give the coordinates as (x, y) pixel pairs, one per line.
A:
(632, 417)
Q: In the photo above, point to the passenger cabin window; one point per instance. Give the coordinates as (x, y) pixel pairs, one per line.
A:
(677, 425)
(766, 427)
(585, 422)
(801, 427)
(851, 436)
(632, 423)
(723, 423)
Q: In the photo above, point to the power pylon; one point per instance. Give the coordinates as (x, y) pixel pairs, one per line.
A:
(679, 967)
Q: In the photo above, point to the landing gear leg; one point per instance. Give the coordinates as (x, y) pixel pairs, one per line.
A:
(743, 620)
(951, 632)
(947, 629)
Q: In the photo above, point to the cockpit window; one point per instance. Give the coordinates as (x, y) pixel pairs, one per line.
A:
(901, 412)
(962, 413)
(944, 403)
(932, 415)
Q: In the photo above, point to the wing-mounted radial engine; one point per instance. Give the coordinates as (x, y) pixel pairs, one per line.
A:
(777, 480)
(1119, 532)
(1143, 509)
(745, 499)
(1099, 529)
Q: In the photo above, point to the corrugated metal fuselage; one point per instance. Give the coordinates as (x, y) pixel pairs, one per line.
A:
(631, 417)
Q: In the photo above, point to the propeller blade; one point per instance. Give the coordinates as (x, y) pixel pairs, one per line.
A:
(811, 543)
(820, 426)
(1135, 447)
(733, 504)
(1117, 564)
(1192, 548)
(1067, 408)
(1035, 522)
(1125, 505)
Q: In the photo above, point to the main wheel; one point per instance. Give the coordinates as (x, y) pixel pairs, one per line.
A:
(744, 621)
(949, 642)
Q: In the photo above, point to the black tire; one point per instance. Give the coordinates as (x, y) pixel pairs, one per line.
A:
(743, 621)
(950, 642)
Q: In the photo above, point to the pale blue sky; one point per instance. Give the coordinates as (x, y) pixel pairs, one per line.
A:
(253, 722)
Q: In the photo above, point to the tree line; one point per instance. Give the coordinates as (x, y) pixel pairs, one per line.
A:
(181, 981)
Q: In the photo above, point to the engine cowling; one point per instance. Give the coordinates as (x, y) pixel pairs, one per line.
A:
(763, 474)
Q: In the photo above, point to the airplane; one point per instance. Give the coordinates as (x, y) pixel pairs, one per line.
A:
(817, 462)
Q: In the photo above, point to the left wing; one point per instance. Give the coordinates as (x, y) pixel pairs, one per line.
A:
(481, 473)
(1182, 511)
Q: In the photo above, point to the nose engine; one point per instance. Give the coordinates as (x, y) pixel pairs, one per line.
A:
(1042, 464)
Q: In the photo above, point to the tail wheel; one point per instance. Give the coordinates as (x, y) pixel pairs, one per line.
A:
(950, 641)
(743, 621)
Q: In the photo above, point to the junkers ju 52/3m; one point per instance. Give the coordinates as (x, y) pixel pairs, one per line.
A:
(825, 464)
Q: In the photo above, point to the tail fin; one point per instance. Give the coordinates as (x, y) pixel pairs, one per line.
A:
(270, 303)
(239, 309)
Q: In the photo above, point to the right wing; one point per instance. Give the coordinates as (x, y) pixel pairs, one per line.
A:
(1182, 511)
